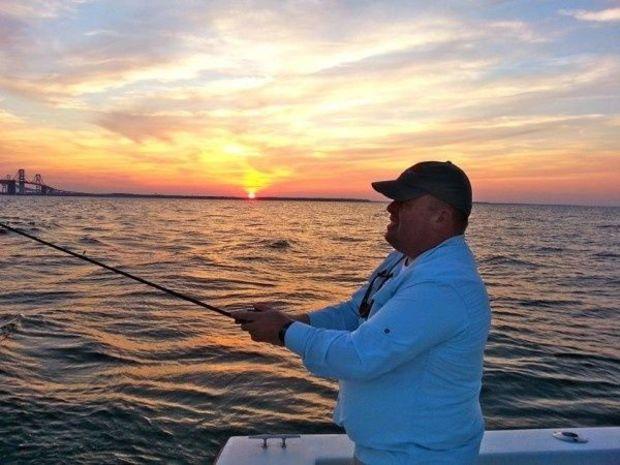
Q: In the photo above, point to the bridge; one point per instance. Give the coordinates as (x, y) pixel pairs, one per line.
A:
(21, 185)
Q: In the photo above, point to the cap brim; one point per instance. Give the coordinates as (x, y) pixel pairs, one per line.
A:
(396, 190)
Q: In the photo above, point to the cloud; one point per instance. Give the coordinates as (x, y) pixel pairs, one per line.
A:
(102, 32)
(519, 30)
(139, 127)
(38, 8)
(338, 117)
(600, 16)
(264, 93)
(11, 31)
(199, 43)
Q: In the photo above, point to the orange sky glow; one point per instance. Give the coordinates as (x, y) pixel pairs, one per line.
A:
(186, 98)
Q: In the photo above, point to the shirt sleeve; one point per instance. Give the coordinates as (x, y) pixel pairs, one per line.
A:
(416, 319)
(343, 316)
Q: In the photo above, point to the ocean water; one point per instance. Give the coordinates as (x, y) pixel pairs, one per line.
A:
(95, 368)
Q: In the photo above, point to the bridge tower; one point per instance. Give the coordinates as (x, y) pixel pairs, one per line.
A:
(38, 181)
(8, 185)
(21, 181)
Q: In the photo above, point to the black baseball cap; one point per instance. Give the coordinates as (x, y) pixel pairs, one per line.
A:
(441, 179)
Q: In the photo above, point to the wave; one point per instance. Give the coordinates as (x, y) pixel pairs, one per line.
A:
(91, 352)
(346, 239)
(36, 297)
(586, 357)
(9, 325)
(201, 260)
(548, 303)
(522, 379)
(510, 261)
(278, 244)
(550, 249)
(606, 255)
(89, 240)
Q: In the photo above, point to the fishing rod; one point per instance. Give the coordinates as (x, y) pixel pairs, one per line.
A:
(121, 272)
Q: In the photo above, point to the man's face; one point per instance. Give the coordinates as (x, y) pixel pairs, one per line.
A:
(410, 227)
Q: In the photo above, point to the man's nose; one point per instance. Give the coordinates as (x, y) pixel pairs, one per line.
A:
(392, 206)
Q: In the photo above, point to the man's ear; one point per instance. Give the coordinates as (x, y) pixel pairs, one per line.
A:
(442, 217)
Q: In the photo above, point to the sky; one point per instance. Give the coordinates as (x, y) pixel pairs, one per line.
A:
(312, 98)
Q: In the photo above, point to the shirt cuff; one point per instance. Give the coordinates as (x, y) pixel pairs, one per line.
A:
(326, 318)
(296, 337)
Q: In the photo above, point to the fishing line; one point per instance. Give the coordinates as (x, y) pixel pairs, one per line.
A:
(121, 272)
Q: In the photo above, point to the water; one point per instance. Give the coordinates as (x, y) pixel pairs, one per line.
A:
(95, 368)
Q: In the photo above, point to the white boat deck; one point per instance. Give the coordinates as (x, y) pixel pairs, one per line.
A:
(511, 447)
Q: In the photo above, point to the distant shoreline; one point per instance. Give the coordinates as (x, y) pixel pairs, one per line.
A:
(288, 199)
(189, 197)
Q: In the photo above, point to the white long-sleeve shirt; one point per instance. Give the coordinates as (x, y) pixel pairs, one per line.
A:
(410, 375)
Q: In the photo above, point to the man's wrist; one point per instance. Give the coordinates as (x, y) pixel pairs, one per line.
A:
(282, 333)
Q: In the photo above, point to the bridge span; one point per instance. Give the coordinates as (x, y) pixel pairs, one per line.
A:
(21, 185)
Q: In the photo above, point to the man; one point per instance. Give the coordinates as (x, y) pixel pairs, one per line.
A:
(407, 347)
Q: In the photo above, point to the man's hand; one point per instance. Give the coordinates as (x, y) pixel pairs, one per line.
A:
(263, 324)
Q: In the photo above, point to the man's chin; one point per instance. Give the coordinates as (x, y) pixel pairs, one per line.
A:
(390, 237)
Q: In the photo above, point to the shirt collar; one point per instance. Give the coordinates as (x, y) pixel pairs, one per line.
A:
(452, 241)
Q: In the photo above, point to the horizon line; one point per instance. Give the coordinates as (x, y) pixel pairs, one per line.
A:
(280, 198)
